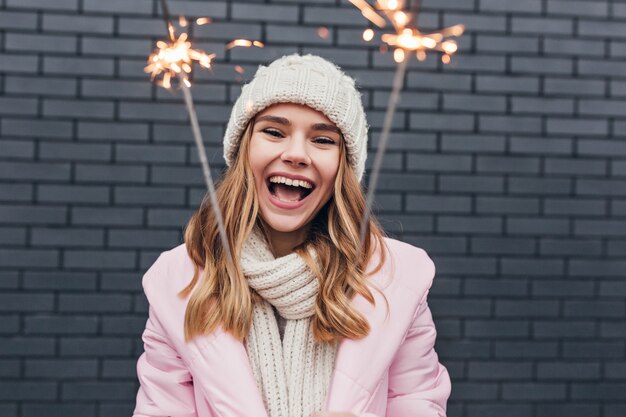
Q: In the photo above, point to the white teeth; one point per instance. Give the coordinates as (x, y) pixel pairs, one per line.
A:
(294, 183)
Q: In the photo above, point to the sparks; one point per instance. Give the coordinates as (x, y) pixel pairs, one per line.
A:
(174, 58)
(408, 38)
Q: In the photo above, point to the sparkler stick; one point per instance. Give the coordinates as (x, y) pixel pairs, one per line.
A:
(175, 59)
(407, 38)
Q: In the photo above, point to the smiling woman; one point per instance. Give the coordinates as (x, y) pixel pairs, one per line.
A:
(304, 320)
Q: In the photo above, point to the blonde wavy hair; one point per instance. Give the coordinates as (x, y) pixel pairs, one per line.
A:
(221, 295)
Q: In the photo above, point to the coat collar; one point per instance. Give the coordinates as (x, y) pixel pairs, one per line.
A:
(223, 373)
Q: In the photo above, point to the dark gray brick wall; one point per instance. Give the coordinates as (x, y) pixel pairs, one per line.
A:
(508, 166)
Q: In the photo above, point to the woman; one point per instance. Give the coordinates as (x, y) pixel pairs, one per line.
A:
(292, 328)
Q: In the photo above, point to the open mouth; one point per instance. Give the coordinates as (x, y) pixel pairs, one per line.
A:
(289, 190)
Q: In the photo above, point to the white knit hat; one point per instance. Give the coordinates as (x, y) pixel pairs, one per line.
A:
(310, 80)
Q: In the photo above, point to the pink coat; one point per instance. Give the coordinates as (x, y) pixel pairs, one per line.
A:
(393, 372)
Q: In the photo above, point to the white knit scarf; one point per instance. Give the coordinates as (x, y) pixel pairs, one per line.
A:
(292, 376)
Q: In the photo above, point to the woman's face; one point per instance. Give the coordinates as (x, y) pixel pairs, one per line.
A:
(294, 156)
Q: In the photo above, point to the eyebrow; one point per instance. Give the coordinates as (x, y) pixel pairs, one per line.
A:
(286, 122)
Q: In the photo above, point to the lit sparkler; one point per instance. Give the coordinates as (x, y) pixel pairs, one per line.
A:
(175, 59)
(406, 39)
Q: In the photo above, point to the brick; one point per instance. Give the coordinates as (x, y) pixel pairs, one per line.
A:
(119, 368)
(580, 127)
(568, 371)
(598, 391)
(95, 347)
(596, 67)
(537, 226)
(593, 350)
(474, 183)
(77, 66)
(507, 84)
(533, 391)
(536, 105)
(526, 308)
(78, 23)
(596, 187)
(528, 65)
(574, 207)
(129, 238)
(482, 63)
(17, 149)
(429, 162)
(507, 164)
(69, 5)
(40, 43)
(22, 64)
(441, 122)
(115, 89)
(559, 329)
(578, 8)
(442, 204)
(72, 193)
(123, 325)
(26, 346)
(604, 29)
(525, 349)
(547, 410)
(61, 368)
(26, 390)
(18, 106)
(60, 325)
(49, 86)
(98, 259)
(42, 280)
(573, 47)
(215, 9)
(504, 245)
(168, 217)
(574, 86)
(498, 410)
(507, 44)
(24, 302)
(531, 6)
(98, 390)
(32, 214)
(495, 329)
(118, 6)
(574, 166)
(37, 128)
(474, 102)
(302, 34)
(541, 26)
(150, 153)
(409, 100)
(477, 23)
(153, 26)
(119, 131)
(345, 16)
(496, 287)
(541, 146)
(9, 324)
(475, 391)
(58, 410)
(18, 20)
(164, 196)
(167, 175)
(111, 173)
(472, 142)
(13, 236)
(78, 109)
(500, 370)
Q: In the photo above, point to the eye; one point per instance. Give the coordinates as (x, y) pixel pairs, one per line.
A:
(324, 140)
(272, 132)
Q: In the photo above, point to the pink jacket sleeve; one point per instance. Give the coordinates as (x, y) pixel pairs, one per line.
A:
(166, 387)
(419, 386)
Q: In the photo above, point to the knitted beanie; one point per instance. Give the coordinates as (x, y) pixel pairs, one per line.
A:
(310, 80)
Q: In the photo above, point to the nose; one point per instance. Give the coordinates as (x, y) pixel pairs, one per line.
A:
(295, 152)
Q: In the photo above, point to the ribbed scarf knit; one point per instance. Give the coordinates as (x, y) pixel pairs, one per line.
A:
(293, 374)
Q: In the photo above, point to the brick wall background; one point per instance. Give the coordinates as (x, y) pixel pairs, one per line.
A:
(508, 166)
